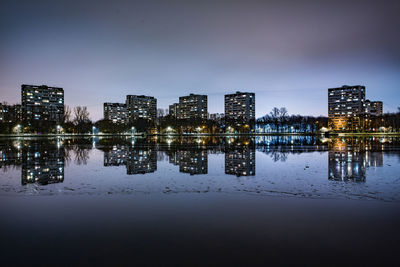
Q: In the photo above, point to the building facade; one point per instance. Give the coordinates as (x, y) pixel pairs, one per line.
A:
(240, 106)
(374, 108)
(193, 106)
(346, 107)
(10, 113)
(174, 110)
(42, 103)
(141, 107)
(116, 112)
(216, 116)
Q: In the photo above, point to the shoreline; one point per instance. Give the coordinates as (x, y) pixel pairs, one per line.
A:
(196, 134)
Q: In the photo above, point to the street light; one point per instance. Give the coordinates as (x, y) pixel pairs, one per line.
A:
(169, 129)
(58, 129)
(132, 130)
(18, 128)
(93, 128)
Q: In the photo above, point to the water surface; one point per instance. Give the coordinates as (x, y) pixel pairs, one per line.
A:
(200, 200)
(301, 166)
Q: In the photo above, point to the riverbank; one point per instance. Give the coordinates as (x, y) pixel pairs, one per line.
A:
(192, 134)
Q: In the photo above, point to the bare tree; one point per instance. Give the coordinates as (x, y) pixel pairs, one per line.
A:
(283, 114)
(67, 113)
(275, 117)
(81, 115)
(275, 112)
(81, 155)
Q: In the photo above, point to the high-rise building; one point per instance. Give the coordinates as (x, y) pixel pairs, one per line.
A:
(374, 108)
(141, 107)
(10, 113)
(193, 106)
(116, 112)
(42, 103)
(174, 110)
(240, 106)
(345, 107)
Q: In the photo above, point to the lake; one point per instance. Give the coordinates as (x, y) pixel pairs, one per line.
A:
(200, 200)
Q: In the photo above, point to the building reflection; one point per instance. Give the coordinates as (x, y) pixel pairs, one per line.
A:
(192, 161)
(10, 155)
(141, 161)
(240, 157)
(117, 156)
(42, 163)
(137, 160)
(349, 159)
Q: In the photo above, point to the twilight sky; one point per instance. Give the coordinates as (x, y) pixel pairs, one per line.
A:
(287, 52)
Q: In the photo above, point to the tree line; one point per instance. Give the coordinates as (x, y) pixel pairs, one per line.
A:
(77, 120)
(279, 121)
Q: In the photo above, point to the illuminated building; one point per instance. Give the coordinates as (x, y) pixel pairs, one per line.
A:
(349, 110)
(116, 112)
(10, 113)
(193, 106)
(345, 107)
(42, 103)
(240, 106)
(141, 107)
(216, 116)
(374, 108)
(174, 110)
